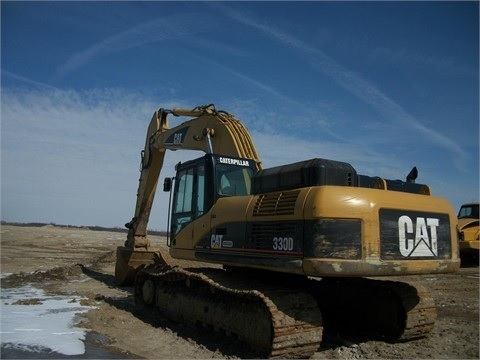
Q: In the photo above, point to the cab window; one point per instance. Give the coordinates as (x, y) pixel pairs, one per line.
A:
(189, 200)
(233, 180)
(468, 211)
(184, 192)
(200, 190)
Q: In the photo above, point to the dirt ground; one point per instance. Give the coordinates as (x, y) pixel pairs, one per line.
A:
(80, 261)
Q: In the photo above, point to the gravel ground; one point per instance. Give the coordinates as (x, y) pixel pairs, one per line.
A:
(80, 262)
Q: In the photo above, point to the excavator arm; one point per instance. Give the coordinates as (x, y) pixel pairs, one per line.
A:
(210, 131)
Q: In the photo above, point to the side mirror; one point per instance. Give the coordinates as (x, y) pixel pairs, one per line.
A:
(167, 184)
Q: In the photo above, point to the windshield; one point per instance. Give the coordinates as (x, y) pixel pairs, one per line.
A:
(468, 211)
(233, 180)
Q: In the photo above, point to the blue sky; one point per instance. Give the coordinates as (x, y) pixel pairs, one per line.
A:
(384, 86)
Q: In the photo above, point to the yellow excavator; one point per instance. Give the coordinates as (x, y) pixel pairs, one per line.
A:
(299, 243)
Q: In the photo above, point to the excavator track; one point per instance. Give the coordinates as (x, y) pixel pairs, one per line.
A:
(382, 309)
(276, 321)
(287, 320)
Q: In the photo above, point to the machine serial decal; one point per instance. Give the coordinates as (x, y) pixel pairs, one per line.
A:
(229, 161)
(418, 238)
(283, 243)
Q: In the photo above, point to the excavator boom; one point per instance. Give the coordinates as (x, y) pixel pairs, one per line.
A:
(208, 130)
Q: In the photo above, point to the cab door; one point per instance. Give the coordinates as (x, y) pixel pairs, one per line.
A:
(183, 207)
(202, 205)
(191, 202)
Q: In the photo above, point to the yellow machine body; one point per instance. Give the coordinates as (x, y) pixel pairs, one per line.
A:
(324, 231)
(317, 217)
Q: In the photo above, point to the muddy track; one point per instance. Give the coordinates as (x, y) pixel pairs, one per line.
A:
(277, 321)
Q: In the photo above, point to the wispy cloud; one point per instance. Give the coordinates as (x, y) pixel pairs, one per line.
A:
(402, 57)
(352, 82)
(157, 30)
(26, 80)
(62, 149)
(303, 113)
(79, 148)
(83, 147)
(255, 83)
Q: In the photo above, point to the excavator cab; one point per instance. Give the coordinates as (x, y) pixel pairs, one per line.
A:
(201, 182)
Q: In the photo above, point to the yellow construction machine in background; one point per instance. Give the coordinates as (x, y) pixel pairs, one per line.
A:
(468, 231)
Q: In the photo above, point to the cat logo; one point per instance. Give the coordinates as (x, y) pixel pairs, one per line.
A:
(418, 238)
(177, 138)
(216, 241)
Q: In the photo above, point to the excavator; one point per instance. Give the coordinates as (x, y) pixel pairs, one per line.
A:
(297, 248)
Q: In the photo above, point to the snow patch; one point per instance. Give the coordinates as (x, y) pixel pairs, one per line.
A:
(32, 320)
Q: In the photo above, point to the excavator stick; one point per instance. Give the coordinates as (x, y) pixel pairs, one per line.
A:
(130, 261)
